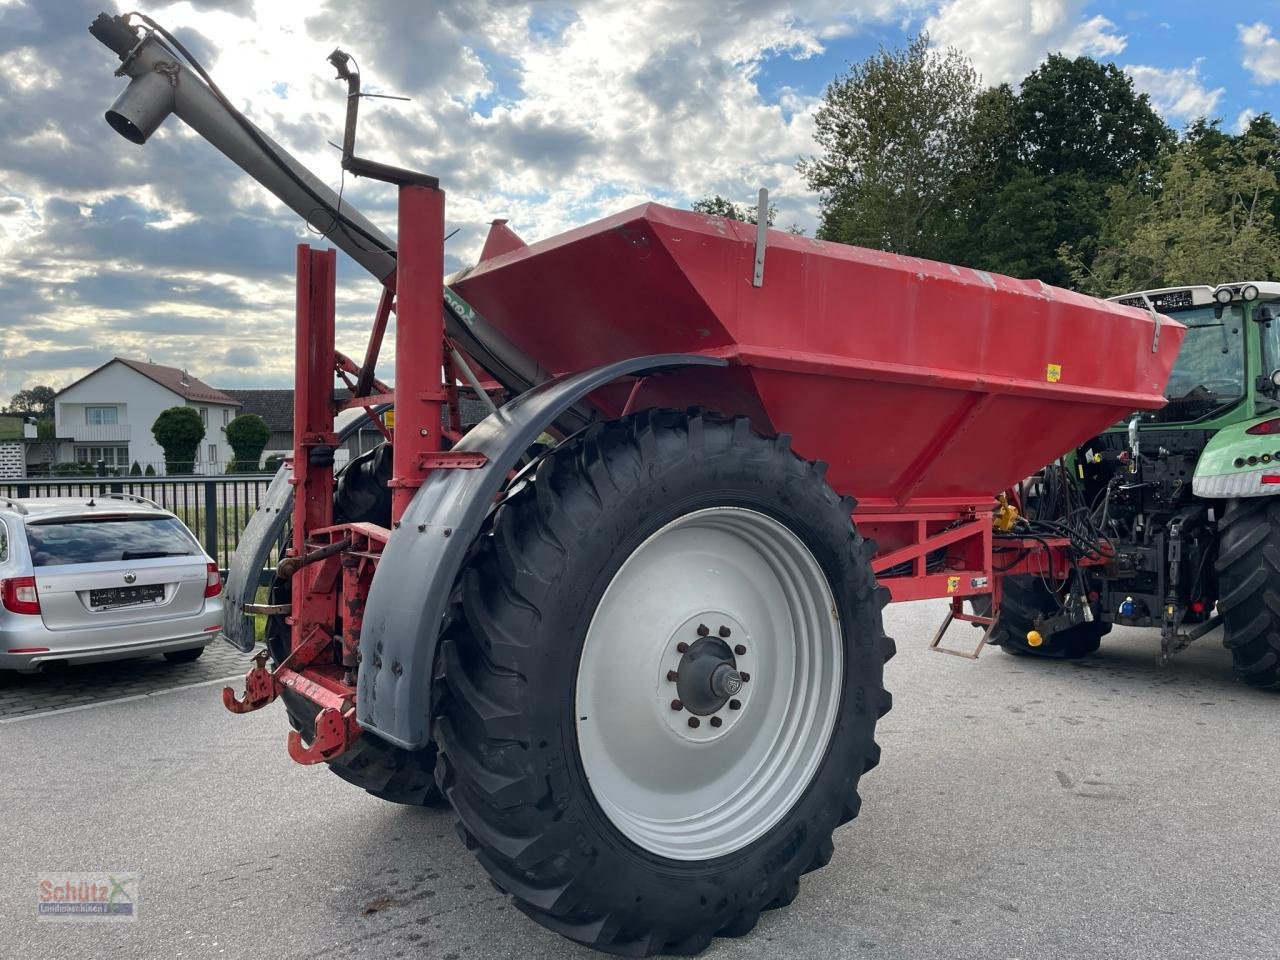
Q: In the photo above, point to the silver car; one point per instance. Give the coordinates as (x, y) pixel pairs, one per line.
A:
(101, 578)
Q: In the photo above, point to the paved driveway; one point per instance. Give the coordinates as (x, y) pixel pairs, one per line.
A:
(74, 686)
(1109, 809)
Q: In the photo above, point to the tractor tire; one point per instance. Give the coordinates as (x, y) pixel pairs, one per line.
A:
(384, 770)
(1249, 588)
(584, 739)
(1025, 597)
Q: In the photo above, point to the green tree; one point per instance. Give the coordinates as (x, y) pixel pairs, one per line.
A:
(895, 133)
(37, 400)
(179, 431)
(248, 435)
(1046, 158)
(1205, 214)
(1082, 116)
(150, 471)
(135, 470)
(718, 206)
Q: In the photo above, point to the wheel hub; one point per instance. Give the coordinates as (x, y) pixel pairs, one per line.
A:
(705, 674)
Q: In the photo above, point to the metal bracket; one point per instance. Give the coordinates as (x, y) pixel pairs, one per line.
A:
(334, 732)
(259, 688)
(936, 644)
(762, 227)
(451, 460)
(1155, 316)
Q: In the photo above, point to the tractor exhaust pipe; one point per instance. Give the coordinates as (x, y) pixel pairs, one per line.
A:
(160, 83)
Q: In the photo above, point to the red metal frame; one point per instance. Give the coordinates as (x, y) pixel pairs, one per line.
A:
(332, 565)
(930, 547)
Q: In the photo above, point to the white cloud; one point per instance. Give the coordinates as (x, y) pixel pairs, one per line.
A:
(549, 122)
(1244, 119)
(1007, 39)
(1177, 92)
(1261, 51)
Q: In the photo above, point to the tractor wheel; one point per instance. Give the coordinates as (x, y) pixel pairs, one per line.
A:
(384, 770)
(1025, 597)
(1249, 587)
(663, 683)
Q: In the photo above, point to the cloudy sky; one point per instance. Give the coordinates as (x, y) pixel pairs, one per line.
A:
(549, 114)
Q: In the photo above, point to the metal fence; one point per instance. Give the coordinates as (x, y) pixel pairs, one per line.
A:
(216, 509)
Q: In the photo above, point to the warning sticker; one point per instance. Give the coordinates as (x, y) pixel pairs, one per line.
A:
(953, 584)
(1053, 372)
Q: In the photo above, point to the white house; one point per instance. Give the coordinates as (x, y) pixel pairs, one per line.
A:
(107, 415)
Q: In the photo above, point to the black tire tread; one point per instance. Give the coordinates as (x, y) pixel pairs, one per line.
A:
(510, 808)
(1023, 598)
(1248, 568)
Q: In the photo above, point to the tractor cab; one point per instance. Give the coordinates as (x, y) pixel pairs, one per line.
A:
(1224, 372)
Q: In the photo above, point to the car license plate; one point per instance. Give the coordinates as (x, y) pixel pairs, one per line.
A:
(125, 596)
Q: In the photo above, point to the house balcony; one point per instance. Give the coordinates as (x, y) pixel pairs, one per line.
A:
(103, 433)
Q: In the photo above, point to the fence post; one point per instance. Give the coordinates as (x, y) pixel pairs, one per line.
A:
(24, 491)
(211, 521)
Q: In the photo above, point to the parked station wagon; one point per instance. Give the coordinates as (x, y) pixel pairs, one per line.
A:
(101, 578)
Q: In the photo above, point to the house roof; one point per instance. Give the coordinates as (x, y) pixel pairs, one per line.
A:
(171, 378)
(276, 406)
(273, 406)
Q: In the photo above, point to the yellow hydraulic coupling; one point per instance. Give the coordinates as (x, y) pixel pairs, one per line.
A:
(1006, 515)
(1034, 639)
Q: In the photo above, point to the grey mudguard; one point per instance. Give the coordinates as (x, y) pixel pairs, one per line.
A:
(410, 591)
(251, 556)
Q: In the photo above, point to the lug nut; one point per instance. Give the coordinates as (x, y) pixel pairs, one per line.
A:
(694, 722)
(672, 676)
(740, 649)
(735, 704)
(702, 630)
(682, 647)
(746, 677)
(677, 705)
(725, 631)
(716, 721)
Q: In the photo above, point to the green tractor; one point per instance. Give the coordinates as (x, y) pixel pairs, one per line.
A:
(1178, 508)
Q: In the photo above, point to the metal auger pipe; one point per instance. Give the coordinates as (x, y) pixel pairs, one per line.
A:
(160, 83)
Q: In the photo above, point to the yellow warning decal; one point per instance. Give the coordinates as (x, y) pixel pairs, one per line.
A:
(1053, 372)
(953, 584)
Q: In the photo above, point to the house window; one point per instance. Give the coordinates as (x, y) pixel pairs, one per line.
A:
(204, 416)
(213, 454)
(111, 456)
(226, 416)
(101, 416)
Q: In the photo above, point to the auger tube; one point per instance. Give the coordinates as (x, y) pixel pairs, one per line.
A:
(160, 83)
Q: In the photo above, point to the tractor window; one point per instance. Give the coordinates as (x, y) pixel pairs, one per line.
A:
(1270, 342)
(1209, 374)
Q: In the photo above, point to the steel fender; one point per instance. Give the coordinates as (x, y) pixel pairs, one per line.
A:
(251, 556)
(410, 592)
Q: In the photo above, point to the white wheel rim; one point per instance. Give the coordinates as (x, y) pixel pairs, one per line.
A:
(691, 793)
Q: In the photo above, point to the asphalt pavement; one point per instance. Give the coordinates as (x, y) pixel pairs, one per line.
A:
(1109, 809)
